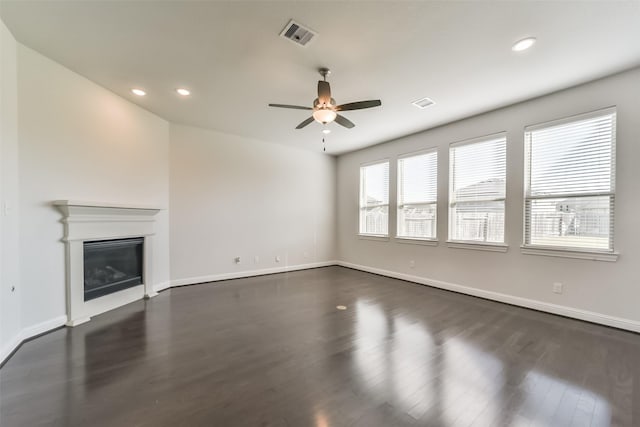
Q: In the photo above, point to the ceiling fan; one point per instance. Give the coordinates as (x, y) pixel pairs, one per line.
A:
(324, 107)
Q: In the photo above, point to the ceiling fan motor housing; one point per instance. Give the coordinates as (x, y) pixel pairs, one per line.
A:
(317, 105)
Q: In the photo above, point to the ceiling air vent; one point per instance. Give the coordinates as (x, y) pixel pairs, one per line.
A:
(298, 33)
(423, 103)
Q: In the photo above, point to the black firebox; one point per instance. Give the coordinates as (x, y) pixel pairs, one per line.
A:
(112, 265)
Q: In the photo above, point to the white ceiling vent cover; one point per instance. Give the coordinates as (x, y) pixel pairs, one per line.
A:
(298, 33)
(423, 103)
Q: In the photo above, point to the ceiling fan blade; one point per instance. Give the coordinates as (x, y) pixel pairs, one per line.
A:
(306, 122)
(343, 121)
(324, 92)
(295, 107)
(359, 105)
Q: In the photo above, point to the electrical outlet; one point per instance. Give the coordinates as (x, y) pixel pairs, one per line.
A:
(557, 288)
(256, 259)
(412, 264)
(277, 258)
(237, 260)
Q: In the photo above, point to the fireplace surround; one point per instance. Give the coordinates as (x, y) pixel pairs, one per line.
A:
(86, 225)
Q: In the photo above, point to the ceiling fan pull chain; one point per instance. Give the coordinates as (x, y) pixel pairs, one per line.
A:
(324, 147)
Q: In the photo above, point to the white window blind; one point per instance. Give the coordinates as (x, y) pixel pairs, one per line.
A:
(477, 176)
(374, 199)
(418, 195)
(570, 182)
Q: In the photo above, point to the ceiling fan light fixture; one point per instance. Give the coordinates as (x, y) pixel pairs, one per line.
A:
(324, 116)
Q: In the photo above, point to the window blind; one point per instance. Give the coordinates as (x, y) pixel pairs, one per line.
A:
(418, 195)
(477, 177)
(374, 199)
(570, 182)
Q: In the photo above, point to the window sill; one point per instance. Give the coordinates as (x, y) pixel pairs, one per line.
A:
(479, 246)
(415, 241)
(375, 237)
(569, 253)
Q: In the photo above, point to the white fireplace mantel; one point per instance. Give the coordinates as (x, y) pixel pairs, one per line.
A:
(88, 221)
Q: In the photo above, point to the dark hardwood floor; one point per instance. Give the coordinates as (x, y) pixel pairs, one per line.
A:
(274, 351)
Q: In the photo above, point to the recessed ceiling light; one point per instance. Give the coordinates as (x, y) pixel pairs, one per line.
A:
(183, 92)
(326, 131)
(138, 92)
(341, 307)
(523, 44)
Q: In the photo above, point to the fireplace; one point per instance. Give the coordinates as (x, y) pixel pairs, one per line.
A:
(112, 265)
(109, 252)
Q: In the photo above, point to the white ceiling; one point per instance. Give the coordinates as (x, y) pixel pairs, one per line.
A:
(231, 56)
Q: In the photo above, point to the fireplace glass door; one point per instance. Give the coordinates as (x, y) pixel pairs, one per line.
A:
(112, 265)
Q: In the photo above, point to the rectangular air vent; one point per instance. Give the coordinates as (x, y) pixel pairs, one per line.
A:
(423, 103)
(297, 33)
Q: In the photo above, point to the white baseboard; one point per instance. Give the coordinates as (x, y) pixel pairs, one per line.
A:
(43, 327)
(162, 286)
(10, 347)
(30, 332)
(589, 316)
(56, 322)
(248, 273)
(562, 310)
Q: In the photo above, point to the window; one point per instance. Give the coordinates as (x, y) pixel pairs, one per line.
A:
(477, 176)
(374, 199)
(418, 195)
(570, 182)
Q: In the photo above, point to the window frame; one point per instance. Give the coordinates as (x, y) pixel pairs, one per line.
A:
(373, 236)
(477, 244)
(410, 239)
(579, 252)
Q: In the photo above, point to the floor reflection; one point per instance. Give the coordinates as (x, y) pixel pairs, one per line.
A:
(473, 381)
(371, 352)
(391, 356)
(321, 419)
(110, 349)
(439, 373)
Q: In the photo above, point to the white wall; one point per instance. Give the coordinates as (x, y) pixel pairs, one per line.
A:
(604, 288)
(79, 141)
(10, 318)
(232, 196)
